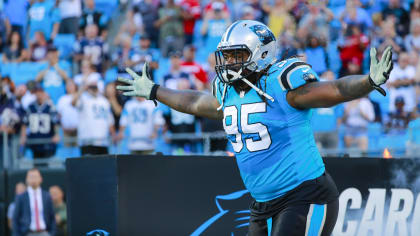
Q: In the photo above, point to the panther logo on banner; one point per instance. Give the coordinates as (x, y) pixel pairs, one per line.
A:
(378, 214)
(233, 215)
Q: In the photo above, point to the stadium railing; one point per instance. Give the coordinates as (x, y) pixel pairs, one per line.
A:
(18, 157)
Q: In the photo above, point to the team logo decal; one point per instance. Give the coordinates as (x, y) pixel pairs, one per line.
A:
(265, 35)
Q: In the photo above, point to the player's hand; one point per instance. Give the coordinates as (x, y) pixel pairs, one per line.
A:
(379, 71)
(140, 86)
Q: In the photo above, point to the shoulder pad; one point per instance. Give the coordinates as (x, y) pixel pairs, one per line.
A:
(293, 73)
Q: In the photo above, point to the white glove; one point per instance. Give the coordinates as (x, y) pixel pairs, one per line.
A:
(140, 86)
(379, 71)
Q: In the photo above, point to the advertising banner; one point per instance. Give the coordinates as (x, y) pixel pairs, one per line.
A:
(160, 195)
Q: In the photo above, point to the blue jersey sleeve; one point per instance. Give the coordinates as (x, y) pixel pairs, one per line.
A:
(293, 73)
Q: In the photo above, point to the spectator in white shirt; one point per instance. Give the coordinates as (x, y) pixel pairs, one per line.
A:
(96, 123)
(89, 75)
(357, 115)
(401, 83)
(69, 115)
(143, 120)
(70, 12)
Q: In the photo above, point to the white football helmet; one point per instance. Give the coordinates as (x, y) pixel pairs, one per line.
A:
(253, 37)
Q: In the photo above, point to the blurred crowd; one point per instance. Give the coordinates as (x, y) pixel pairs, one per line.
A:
(60, 60)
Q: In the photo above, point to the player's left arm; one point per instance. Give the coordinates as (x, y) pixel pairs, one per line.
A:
(327, 94)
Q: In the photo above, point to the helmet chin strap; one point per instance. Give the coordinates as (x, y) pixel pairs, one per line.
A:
(236, 75)
(259, 91)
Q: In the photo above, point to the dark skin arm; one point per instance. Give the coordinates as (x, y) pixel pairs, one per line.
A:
(327, 94)
(191, 102)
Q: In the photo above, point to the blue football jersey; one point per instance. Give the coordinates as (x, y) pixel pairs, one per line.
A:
(273, 142)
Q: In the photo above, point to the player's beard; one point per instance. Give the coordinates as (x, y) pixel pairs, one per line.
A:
(240, 85)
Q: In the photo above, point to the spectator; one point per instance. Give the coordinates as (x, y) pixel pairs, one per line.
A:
(60, 210)
(209, 6)
(70, 12)
(210, 69)
(353, 14)
(96, 124)
(191, 12)
(325, 121)
(316, 21)
(316, 54)
(121, 57)
(357, 115)
(89, 74)
(401, 83)
(14, 50)
(4, 30)
(44, 17)
(68, 114)
(17, 15)
(38, 47)
(128, 30)
(412, 41)
(11, 115)
(398, 15)
(181, 123)
(279, 18)
(117, 102)
(53, 78)
(148, 13)
(29, 97)
(34, 213)
(248, 13)
(20, 188)
(209, 125)
(288, 44)
(352, 46)
(171, 79)
(398, 120)
(144, 54)
(414, 10)
(389, 37)
(214, 25)
(195, 70)
(20, 92)
(91, 16)
(143, 120)
(92, 48)
(171, 32)
(42, 120)
(250, 10)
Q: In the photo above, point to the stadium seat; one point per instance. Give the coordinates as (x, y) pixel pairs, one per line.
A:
(374, 133)
(7, 68)
(65, 43)
(25, 71)
(381, 100)
(334, 57)
(107, 7)
(66, 66)
(197, 38)
(164, 66)
(394, 142)
(111, 75)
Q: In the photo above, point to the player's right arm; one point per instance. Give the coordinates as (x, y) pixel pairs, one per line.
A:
(186, 101)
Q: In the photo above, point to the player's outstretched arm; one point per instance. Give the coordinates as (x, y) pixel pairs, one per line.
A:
(186, 101)
(326, 94)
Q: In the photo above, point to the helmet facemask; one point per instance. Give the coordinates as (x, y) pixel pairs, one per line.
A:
(233, 63)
